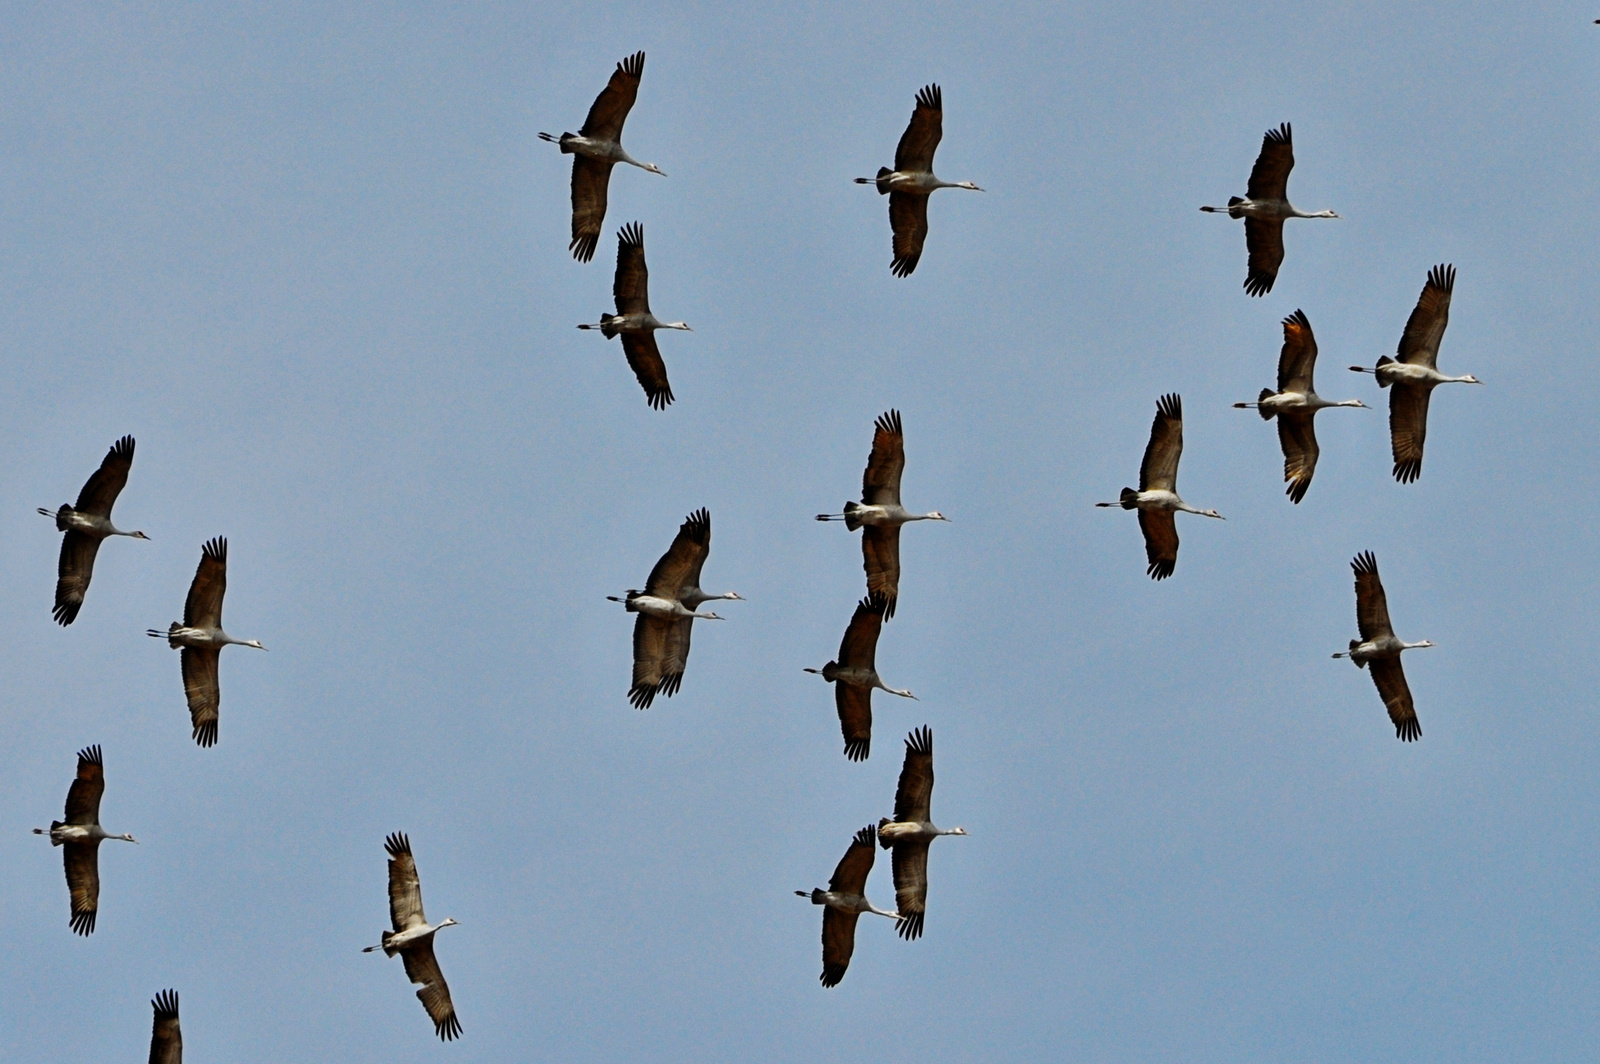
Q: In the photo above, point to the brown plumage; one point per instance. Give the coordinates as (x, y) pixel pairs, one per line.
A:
(913, 801)
(166, 1037)
(79, 548)
(661, 644)
(1269, 180)
(203, 609)
(590, 176)
(406, 914)
(1372, 621)
(1158, 471)
(1419, 346)
(79, 835)
(838, 926)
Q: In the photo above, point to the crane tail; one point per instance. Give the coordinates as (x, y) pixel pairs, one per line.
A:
(1353, 659)
(1382, 362)
(883, 186)
(1266, 415)
(1129, 499)
(851, 521)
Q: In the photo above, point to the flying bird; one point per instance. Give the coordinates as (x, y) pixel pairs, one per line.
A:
(845, 901)
(85, 525)
(855, 674)
(412, 937)
(596, 148)
(911, 831)
(666, 609)
(80, 835)
(1264, 207)
(633, 319)
(1295, 404)
(200, 637)
(166, 1037)
(1415, 374)
(911, 182)
(1379, 648)
(879, 513)
(1157, 498)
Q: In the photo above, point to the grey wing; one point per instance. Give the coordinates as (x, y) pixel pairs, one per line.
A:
(880, 557)
(1297, 362)
(166, 1037)
(1160, 542)
(82, 862)
(908, 220)
(650, 636)
(1269, 178)
(631, 286)
(74, 571)
(1263, 242)
(911, 886)
(1408, 428)
(100, 491)
(422, 968)
(923, 133)
(610, 109)
(203, 691)
(203, 607)
(1159, 470)
(1419, 344)
(644, 358)
(1297, 435)
(1390, 679)
(838, 943)
(590, 178)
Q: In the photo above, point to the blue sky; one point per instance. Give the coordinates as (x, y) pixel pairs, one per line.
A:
(314, 260)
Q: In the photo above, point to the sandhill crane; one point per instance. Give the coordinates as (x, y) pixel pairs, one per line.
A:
(633, 319)
(1264, 207)
(1295, 404)
(855, 674)
(879, 513)
(166, 1037)
(201, 639)
(80, 835)
(1157, 498)
(911, 182)
(1379, 648)
(1416, 374)
(846, 900)
(911, 832)
(412, 937)
(666, 609)
(85, 525)
(596, 148)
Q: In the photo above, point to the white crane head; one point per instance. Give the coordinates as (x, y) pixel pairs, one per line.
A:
(124, 838)
(138, 535)
(448, 921)
(967, 185)
(1211, 513)
(653, 168)
(683, 325)
(953, 831)
(934, 515)
(734, 595)
(252, 643)
(1468, 379)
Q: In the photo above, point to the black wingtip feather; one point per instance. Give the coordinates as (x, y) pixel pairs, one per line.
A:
(1297, 490)
(858, 749)
(450, 1028)
(931, 97)
(66, 612)
(642, 695)
(889, 421)
(1170, 406)
(123, 448)
(1365, 562)
(630, 235)
(1408, 731)
(920, 741)
(1258, 283)
(206, 733)
(216, 549)
(633, 66)
(1408, 472)
(83, 923)
(904, 265)
(910, 927)
(165, 1005)
(1282, 135)
(397, 844)
(1162, 569)
(1443, 277)
(832, 973)
(90, 755)
(582, 247)
(659, 400)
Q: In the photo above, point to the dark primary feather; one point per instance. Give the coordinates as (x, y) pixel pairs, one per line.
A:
(1297, 362)
(651, 636)
(100, 491)
(82, 861)
(859, 649)
(1372, 607)
(405, 889)
(921, 138)
(644, 358)
(839, 928)
(1419, 344)
(1408, 429)
(203, 691)
(610, 109)
(1390, 679)
(83, 797)
(1159, 470)
(1297, 436)
(689, 549)
(631, 287)
(1269, 178)
(913, 798)
(911, 886)
(73, 573)
(880, 482)
(908, 220)
(1263, 242)
(590, 180)
(1160, 542)
(166, 1037)
(203, 607)
(423, 969)
(850, 877)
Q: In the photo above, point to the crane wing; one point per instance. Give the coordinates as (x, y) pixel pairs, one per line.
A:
(1263, 241)
(590, 178)
(632, 284)
(203, 691)
(166, 1038)
(203, 607)
(83, 797)
(1419, 344)
(422, 968)
(1159, 470)
(611, 107)
(911, 885)
(100, 491)
(914, 796)
(82, 860)
(1298, 360)
(1269, 178)
(1408, 428)
(908, 220)
(854, 704)
(74, 571)
(1160, 542)
(675, 657)
(880, 482)
(644, 358)
(405, 889)
(838, 943)
(859, 648)
(1297, 435)
(650, 638)
(1390, 679)
(851, 875)
(917, 144)
(1372, 607)
(689, 549)
(880, 557)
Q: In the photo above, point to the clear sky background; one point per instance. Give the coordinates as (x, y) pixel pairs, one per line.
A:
(315, 261)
